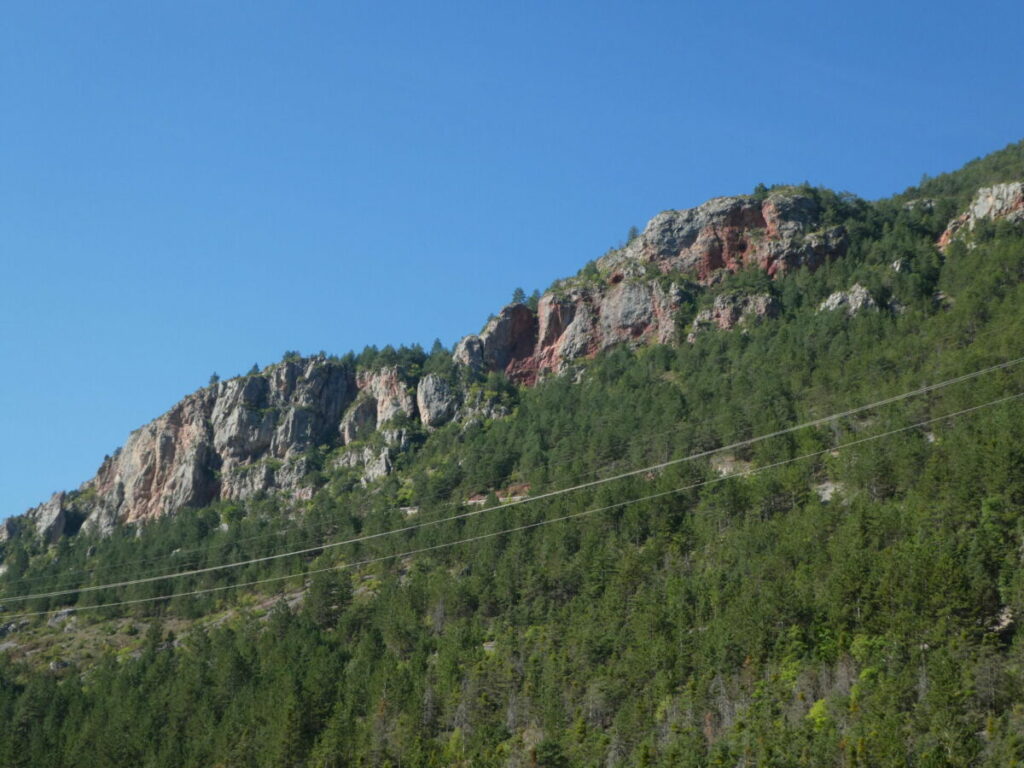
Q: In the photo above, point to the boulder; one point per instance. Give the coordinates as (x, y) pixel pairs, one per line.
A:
(855, 300)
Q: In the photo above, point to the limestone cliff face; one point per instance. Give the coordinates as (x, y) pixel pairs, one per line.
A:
(245, 436)
(49, 520)
(781, 232)
(634, 294)
(1002, 201)
(389, 390)
(577, 323)
(730, 310)
(252, 434)
(436, 400)
(208, 445)
(853, 301)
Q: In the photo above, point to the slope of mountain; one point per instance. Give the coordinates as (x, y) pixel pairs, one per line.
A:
(529, 551)
(245, 436)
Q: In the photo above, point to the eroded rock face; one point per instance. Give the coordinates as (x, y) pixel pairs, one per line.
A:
(1002, 201)
(780, 233)
(571, 323)
(470, 353)
(436, 401)
(215, 443)
(249, 434)
(588, 320)
(388, 388)
(169, 463)
(50, 518)
(730, 310)
(360, 419)
(8, 528)
(374, 462)
(627, 304)
(855, 300)
(505, 341)
(239, 438)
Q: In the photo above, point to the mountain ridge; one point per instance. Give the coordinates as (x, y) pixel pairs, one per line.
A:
(718, 552)
(249, 435)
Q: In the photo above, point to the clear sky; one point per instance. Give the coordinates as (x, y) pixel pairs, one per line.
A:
(193, 186)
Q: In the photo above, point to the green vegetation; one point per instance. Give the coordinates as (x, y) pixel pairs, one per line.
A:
(959, 187)
(859, 607)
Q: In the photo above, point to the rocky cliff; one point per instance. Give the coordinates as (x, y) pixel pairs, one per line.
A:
(239, 438)
(255, 433)
(1001, 201)
(633, 294)
(781, 232)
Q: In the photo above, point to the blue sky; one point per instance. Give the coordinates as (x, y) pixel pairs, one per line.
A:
(189, 187)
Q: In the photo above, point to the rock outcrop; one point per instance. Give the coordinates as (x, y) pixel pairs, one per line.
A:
(374, 462)
(51, 517)
(360, 420)
(730, 310)
(776, 234)
(248, 435)
(388, 389)
(436, 401)
(633, 294)
(216, 443)
(581, 320)
(1002, 201)
(855, 300)
(505, 339)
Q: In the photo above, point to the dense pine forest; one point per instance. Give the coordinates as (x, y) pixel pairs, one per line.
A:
(847, 593)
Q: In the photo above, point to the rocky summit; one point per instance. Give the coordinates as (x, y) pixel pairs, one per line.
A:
(252, 434)
(622, 299)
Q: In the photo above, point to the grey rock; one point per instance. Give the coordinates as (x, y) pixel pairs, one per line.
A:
(60, 617)
(470, 352)
(479, 407)
(509, 336)
(396, 439)
(777, 234)
(245, 480)
(50, 518)
(9, 528)
(377, 467)
(215, 443)
(855, 300)
(375, 462)
(12, 626)
(436, 401)
(387, 386)
(1001, 201)
(360, 419)
(627, 311)
(730, 310)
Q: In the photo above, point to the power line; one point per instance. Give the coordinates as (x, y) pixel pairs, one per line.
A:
(621, 443)
(528, 526)
(549, 494)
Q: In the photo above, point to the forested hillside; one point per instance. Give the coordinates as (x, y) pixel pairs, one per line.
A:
(704, 553)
